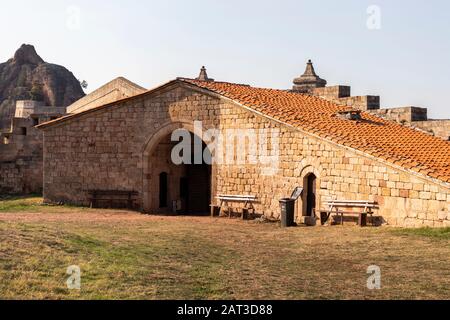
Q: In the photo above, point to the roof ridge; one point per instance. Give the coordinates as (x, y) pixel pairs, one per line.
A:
(373, 135)
(220, 82)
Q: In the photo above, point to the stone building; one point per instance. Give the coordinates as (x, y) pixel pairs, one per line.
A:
(21, 158)
(21, 148)
(310, 141)
(114, 90)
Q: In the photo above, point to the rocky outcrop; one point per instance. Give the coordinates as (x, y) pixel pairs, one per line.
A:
(28, 77)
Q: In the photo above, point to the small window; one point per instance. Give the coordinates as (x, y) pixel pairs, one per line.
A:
(5, 140)
(23, 131)
(35, 121)
(53, 118)
(163, 190)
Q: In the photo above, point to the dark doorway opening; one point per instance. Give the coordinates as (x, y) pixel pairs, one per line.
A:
(198, 183)
(163, 190)
(195, 186)
(310, 194)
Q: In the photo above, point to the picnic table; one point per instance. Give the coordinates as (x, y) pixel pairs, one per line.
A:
(225, 200)
(341, 208)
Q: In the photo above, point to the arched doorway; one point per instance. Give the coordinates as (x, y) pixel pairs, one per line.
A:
(169, 187)
(310, 196)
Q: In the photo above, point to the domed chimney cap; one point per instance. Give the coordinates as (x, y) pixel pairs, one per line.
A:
(203, 75)
(308, 81)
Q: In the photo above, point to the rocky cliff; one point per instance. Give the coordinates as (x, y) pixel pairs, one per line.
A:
(28, 77)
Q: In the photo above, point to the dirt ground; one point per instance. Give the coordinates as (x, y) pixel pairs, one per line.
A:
(127, 255)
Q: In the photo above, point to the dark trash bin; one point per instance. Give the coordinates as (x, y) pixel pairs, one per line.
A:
(287, 212)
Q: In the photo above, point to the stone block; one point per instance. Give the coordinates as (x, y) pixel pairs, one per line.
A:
(428, 223)
(442, 215)
(404, 193)
(441, 196)
(425, 195)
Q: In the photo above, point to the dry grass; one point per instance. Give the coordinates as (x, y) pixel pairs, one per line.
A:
(125, 255)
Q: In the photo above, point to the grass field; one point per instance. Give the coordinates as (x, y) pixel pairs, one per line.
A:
(126, 255)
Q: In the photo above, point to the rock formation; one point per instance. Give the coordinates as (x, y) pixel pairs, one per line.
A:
(28, 77)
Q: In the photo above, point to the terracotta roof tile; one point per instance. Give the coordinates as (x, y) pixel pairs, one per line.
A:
(382, 138)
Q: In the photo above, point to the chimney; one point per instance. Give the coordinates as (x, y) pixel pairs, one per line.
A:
(308, 81)
(203, 75)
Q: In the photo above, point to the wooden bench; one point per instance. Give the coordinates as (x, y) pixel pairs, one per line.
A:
(338, 206)
(227, 199)
(127, 198)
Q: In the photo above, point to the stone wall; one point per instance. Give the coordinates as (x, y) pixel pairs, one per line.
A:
(21, 159)
(403, 114)
(114, 90)
(342, 95)
(440, 128)
(22, 176)
(412, 116)
(111, 148)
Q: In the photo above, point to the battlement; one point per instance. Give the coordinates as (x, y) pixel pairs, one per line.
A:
(404, 114)
(310, 83)
(342, 95)
(25, 108)
(29, 108)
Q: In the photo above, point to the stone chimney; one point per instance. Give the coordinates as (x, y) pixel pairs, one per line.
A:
(203, 75)
(308, 81)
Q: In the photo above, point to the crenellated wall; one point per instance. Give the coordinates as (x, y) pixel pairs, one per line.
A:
(342, 95)
(408, 115)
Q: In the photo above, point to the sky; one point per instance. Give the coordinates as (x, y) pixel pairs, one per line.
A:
(398, 49)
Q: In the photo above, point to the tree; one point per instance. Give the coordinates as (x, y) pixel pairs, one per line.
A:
(37, 93)
(84, 84)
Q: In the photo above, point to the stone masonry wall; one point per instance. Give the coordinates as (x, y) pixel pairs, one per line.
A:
(104, 150)
(21, 159)
(403, 114)
(440, 128)
(342, 96)
(22, 176)
(117, 89)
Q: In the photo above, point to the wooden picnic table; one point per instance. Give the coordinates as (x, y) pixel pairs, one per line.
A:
(225, 200)
(338, 207)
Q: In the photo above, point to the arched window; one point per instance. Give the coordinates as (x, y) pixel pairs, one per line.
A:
(163, 190)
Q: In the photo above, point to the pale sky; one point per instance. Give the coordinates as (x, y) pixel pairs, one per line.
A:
(263, 43)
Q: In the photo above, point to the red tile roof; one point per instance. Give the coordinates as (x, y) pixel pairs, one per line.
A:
(373, 135)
